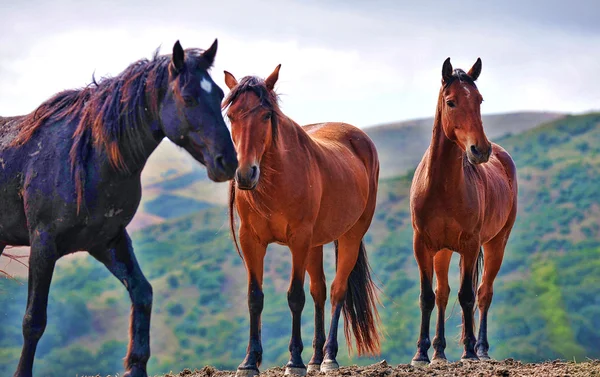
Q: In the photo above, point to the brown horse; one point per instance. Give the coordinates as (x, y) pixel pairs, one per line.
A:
(303, 187)
(463, 196)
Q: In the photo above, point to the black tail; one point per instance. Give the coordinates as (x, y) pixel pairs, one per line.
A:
(477, 273)
(361, 317)
(232, 216)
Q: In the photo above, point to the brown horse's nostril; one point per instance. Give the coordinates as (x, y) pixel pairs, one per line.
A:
(253, 172)
(475, 151)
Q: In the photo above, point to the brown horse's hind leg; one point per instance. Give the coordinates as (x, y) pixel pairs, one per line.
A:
(254, 255)
(318, 291)
(466, 298)
(492, 260)
(441, 264)
(424, 257)
(121, 262)
(42, 260)
(296, 300)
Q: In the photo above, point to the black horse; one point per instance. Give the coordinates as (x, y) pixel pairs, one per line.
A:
(70, 176)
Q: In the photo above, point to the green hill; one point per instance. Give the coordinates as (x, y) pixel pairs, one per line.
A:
(545, 306)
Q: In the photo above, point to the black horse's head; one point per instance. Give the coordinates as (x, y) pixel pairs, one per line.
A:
(191, 112)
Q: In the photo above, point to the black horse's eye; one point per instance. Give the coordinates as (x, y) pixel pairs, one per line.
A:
(450, 104)
(190, 101)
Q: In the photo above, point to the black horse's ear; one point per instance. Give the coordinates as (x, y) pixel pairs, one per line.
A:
(446, 71)
(178, 58)
(210, 54)
(475, 70)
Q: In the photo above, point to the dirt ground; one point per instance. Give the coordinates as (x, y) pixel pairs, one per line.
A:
(504, 368)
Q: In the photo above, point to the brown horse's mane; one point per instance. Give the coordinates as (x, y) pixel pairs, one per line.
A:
(111, 114)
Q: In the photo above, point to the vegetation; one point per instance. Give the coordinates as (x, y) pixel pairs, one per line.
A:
(546, 303)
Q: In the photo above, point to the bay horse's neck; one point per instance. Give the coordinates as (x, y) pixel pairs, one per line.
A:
(446, 159)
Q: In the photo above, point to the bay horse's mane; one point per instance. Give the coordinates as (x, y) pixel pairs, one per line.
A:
(460, 75)
(112, 114)
(268, 99)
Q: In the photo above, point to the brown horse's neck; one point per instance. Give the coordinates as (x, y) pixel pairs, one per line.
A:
(446, 159)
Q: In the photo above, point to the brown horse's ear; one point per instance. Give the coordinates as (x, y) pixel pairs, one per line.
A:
(272, 79)
(210, 54)
(446, 71)
(475, 70)
(230, 80)
(178, 56)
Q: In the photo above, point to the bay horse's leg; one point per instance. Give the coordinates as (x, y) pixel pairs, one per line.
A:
(424, 257)
(254, 255)
(492, 260)
(120, 260)
(466, 298)
(296, 300)
(42, 259)
(441, 264)
(318, 291)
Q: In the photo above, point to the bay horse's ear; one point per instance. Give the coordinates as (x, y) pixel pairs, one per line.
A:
(446, 71)
(210, 54)
(272, 79)
(230, 80)
(178, 58)
(475, 70)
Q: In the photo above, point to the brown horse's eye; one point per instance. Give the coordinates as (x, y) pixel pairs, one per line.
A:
(268, 116)
(450, 104)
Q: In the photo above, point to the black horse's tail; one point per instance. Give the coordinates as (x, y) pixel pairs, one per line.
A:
(361, 317)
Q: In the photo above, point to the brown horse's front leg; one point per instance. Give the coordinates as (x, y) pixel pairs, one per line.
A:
(296, 300)
(318, 290)
(466, 298)
(254, 254)
(441, 264)
(424, 257)
(121, 262)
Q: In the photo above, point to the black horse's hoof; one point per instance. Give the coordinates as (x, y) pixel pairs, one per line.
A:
(246, 372)
(136, 371)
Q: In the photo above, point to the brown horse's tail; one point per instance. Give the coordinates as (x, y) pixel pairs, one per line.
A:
(232, 216)
(360, 310)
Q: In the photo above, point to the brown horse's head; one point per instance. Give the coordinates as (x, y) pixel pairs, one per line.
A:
(253, 112)
(459, 107)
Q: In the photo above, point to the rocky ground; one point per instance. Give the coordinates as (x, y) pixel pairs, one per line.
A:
(383, 369)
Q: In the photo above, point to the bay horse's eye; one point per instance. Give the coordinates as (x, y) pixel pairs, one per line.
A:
(450, 104)
(190, 101)
(268, 116)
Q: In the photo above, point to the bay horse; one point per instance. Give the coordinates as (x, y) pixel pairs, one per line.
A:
(463, 196)
(303, 187)
(70, 177)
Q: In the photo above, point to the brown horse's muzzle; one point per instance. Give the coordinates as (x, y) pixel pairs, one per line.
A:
(247, 178)
(478, 155)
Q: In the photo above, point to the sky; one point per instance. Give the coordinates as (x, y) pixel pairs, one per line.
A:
(361, 62)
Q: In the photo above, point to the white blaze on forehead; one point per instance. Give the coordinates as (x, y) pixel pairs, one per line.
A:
(467, 91)
(206, 85)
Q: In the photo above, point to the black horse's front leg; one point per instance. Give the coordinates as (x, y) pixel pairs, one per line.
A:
(121, 262)
(42, 259)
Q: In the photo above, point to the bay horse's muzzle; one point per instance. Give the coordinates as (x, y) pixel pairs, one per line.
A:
(247, 179)
(477, 155)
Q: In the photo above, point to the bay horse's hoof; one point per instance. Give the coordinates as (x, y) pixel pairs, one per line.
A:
(298, 371)
(313, 368)
(439, 361)
(484, 357)
(246, 372)
(419, 363)
(469, 359)
(328, 365)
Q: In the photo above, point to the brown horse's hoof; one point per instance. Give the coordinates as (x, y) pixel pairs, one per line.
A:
(328, 365)
(246, 373)
(419, 363)
(484, 357)
(470, 360)
(439, 361)
(313, 368)
(295, 371)
(136, 371)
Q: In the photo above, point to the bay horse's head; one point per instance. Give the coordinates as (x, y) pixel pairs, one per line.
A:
(459, 106)
(253, 112)
(191, 112)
